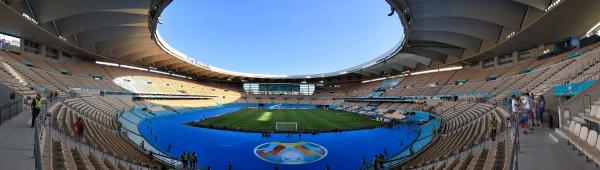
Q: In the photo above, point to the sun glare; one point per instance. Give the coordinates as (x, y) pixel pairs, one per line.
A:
(266, 116)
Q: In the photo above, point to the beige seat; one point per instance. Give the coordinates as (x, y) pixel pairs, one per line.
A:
(580, 142)
(590, 149)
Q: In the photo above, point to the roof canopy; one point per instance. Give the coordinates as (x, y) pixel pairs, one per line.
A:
(438, 33)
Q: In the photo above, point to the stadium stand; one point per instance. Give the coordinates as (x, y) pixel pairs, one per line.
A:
(465, 126)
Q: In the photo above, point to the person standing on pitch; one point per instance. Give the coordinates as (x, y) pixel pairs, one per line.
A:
(375, 162)
(194, 159)
(184, 159)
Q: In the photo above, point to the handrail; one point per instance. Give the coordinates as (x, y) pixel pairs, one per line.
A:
(514, 156)
(470, 149)
(117, 158)
(463, 151)
(166, 159)
(13, 109)
(38, 128)
(435, 136)
(589, 97)
(402, 159)
(88, 117)
(40, 123)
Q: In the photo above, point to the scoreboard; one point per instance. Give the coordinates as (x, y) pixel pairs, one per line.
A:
(279, 88)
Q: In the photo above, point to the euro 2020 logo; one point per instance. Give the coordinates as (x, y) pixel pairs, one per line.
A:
(290, 153)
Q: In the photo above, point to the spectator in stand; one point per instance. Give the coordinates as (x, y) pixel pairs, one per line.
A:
(514, 105)
(493, 127)
(79, 128)
(36, 107)
(529, 106)
(534, 110)
(541, 109)
(524, 115)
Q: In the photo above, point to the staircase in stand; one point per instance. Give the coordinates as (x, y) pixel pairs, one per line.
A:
(499, 163)
(14, 73)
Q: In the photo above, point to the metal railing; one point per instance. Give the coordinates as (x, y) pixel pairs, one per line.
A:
(514, 154)
(43, 128)
(585, 106)
(167, 160)
(94, 149)
(472, 148)
(397, 159)
(39, 126)
(11, 109)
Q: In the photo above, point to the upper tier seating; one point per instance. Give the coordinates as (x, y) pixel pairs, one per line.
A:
(47, 73)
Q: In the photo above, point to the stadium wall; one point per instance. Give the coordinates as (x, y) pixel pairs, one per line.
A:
(8, 97)
(576, 105)
(552, 103)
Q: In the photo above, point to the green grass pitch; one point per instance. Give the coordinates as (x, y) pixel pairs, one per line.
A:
(262, 119)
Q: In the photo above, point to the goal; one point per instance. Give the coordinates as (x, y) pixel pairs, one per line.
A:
(286, 126)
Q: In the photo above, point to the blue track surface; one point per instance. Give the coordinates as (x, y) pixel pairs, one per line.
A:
(215, 148)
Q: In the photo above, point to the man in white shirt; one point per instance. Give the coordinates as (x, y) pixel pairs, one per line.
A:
(515, 106)
(527, 111)
(516, 109)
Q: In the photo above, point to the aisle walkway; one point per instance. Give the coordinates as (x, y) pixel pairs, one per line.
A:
(541, 151)
(16, 143)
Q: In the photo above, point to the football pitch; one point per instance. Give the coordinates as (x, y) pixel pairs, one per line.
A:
(313, 119)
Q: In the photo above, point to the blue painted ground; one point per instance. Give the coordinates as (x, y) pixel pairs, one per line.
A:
(215, 148)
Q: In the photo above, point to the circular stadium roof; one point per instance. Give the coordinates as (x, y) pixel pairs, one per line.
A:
(437, 33)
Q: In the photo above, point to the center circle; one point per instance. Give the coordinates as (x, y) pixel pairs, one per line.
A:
(290, 153)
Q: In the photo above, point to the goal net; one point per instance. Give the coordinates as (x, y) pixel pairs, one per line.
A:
(286, 126)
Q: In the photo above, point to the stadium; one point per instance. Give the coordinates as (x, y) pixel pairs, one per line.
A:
(469, 84)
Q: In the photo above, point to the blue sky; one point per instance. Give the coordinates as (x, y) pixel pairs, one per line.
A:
(281, 36)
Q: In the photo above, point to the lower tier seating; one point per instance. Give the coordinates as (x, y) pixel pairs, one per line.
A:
(584, 140)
